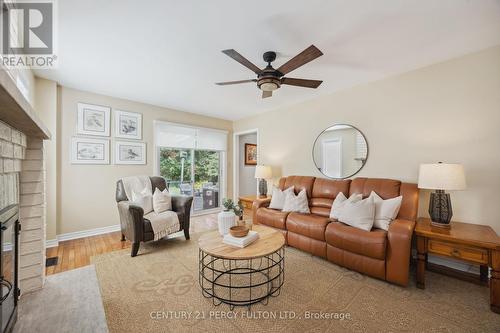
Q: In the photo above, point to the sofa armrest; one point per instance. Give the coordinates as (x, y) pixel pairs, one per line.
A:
(131, 220)
(397, 268)
(258, 203)
(182, 204)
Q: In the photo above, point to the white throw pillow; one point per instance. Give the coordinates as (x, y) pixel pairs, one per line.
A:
(278, 197)
(162, 201)
(296, 203)
(359, 214)
(340, 201)
(385, 210)
(144, 200)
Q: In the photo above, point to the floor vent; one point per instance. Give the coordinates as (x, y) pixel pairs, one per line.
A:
(52, 261)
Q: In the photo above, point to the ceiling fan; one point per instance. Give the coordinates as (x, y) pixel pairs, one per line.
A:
(270, 79)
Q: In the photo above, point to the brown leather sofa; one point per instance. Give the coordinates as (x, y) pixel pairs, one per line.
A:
(378, 253)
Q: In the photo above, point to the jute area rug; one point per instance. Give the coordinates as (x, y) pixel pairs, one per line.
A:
(158, 291)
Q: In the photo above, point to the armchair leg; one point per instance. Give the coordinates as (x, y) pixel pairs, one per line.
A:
(135, 249)
(123, 237)
(186, 234)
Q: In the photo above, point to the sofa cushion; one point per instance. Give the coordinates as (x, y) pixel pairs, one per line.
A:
(162, 201)
(271, 217)
(358, 214)
(299, 183)
(324, 192)
(310, 225)
(296, 203)
(304, 243)
(385, 188)
(321, 211)
(341, 201)
(385, 210)
(278, 197)
(329, 188)
(360, 263)
(368, 243)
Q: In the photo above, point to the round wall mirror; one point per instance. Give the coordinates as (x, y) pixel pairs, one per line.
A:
(340, 151)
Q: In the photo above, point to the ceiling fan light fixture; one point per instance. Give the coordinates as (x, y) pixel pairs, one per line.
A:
(268, 86)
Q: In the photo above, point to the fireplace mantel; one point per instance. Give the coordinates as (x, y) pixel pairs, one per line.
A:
(16, 111)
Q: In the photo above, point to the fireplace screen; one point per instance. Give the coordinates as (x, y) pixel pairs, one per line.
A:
(9, 249)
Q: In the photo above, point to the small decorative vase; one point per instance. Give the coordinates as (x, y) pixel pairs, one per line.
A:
(226, 219)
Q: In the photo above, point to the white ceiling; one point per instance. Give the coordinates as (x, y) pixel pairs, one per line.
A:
(167, 53)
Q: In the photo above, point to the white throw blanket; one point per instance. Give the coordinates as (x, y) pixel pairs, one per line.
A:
(137, 184)
(162, 224)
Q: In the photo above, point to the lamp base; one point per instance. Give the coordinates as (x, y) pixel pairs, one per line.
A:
(440, 209)
(262, 188)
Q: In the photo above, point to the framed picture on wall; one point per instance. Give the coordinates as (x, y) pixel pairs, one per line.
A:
(93, 119)
(89, 151)
(250, 154)
(128, 125)
(130, 152)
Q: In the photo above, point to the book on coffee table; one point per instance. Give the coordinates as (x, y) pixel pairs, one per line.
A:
(241, 241)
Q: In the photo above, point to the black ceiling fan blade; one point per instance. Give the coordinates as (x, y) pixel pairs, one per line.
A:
(309, 54)
(266, 94)
(235, 82)
(301, 82)
(242, 60)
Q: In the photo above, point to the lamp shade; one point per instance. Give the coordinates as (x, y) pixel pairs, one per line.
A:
(263, 172)
(441, 176)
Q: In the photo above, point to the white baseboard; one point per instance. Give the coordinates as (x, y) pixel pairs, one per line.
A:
(51, 243)
(80, 234)
(87, 233)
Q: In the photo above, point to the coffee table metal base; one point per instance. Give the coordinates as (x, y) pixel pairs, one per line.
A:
(241, 282)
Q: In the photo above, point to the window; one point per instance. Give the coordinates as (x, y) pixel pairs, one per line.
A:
(192, 160)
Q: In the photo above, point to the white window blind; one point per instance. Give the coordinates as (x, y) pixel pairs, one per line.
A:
(182, 136)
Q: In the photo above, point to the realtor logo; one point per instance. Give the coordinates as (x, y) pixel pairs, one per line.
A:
(28, 30)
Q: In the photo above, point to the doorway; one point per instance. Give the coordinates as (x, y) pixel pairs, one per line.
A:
(244, 182)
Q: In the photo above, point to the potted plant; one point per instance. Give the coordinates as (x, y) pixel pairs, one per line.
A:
(227, 218)
(238, 210)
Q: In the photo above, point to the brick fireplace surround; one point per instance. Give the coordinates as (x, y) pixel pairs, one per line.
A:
(21, 158)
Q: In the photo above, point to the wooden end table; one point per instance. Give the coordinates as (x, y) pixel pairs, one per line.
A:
(472, 243)
(247, 202)
(242, 276)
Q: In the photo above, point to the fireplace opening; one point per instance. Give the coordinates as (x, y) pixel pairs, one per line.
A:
(9, 254)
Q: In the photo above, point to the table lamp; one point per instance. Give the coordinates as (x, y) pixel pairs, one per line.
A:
(441, 177)
(263, 172)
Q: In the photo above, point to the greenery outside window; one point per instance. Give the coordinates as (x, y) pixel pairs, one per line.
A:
(192, 161)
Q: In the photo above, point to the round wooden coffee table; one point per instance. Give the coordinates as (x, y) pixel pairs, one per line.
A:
(242, 276)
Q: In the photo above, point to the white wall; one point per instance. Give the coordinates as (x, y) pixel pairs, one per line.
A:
(247, 183)
(87, 192)
(446, 112)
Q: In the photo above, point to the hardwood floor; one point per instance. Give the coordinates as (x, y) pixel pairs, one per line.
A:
(77, 252)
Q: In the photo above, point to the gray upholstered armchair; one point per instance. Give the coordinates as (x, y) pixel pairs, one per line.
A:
(138, 229)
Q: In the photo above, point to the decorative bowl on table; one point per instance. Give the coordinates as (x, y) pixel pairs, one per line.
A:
(238, 231)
